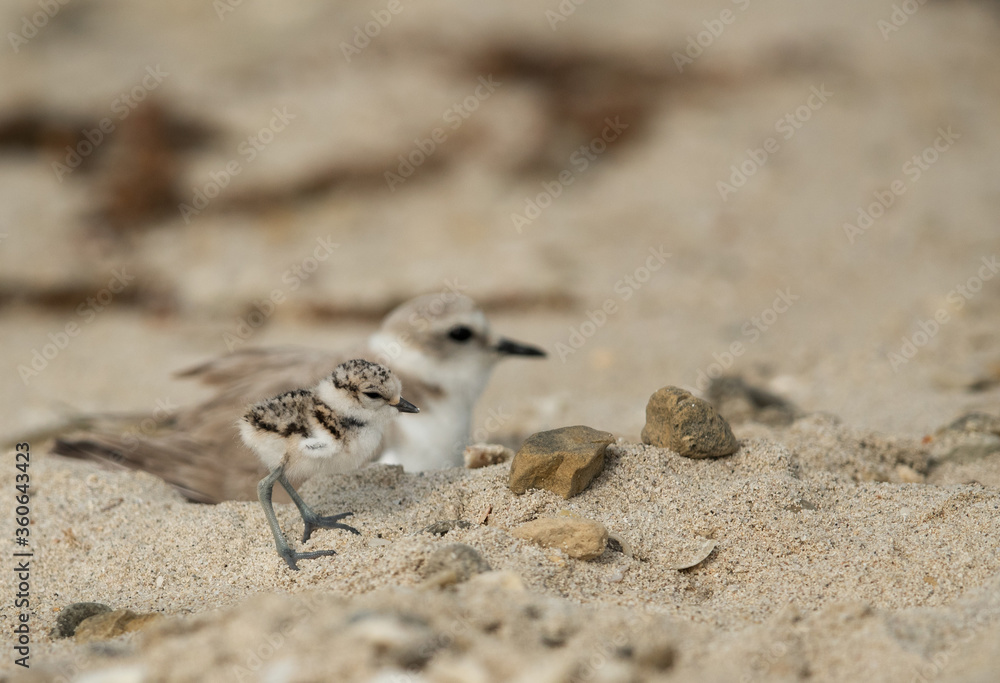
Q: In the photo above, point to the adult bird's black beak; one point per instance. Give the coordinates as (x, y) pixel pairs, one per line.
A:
(513, 348)
(405, 406)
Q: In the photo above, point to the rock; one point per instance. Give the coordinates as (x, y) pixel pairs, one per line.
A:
(981, 423)
(971, 437)
(656, 649)
(563, 461)
(738, 401)
(502, 580)
(485, 454)
(397, 639)
(111, 624)
(687, 425)
(453, 564)
(582, 539)
(73, 614)
(443, 526)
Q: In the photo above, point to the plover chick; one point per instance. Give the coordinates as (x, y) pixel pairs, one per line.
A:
(336, 426)
(440, 346)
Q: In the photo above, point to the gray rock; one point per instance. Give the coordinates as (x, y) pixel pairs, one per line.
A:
(687, 425)
(563, 461)
(981, 423)
(440, 528)
(453, 564)
(738, 401)
(969, 438)
(73, 614)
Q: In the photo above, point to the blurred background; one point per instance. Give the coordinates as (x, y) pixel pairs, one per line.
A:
(805, 194)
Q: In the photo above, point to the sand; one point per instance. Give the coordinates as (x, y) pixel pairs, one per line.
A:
(854, 543)
(814, 573)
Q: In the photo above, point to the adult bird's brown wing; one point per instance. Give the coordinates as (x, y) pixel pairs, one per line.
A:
(198, 449)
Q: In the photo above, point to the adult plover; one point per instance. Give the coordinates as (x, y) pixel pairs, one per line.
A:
(439, 345)
(336, 426)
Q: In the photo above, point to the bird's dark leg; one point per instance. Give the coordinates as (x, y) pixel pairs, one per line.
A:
(310, 518)
(264, 490)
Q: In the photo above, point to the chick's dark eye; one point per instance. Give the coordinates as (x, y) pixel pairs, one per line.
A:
(373, 394)
(460, 333)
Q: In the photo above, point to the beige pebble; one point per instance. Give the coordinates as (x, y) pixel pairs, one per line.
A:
(582, 539)
(687, 425)
(563, 461)
(112, 624)
(485, 454)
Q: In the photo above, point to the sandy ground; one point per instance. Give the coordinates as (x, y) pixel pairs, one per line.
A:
(851, 544)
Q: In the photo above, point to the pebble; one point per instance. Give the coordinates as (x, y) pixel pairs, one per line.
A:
(971, 437)
(73, 614)
(582, 539)
(110, 624)
(441, 527)
(484, 454)
(451, 564)
(739, 401)
(563, 460)
(687, 425)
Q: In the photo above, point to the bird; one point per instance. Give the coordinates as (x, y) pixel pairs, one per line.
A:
(335, 426)
(440, 345)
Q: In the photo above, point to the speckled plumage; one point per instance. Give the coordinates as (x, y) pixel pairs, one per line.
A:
(336, 425)
(194, 448)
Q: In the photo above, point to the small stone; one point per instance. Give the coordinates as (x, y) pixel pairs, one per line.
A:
(485, 454)
(111, 624)
(982, 423)
(451, 564)
(656, 650)
(563, 460)
(503, 579)
(969, 438)
(582, 539)
(687, 425)
(908, 475)
(73, 614)
(738, 401)
(440, 528)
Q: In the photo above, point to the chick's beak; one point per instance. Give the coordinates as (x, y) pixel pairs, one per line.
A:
(508, 347)
(405, 406)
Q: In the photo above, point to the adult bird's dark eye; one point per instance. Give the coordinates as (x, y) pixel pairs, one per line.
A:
(373, 394)
(460, 333)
